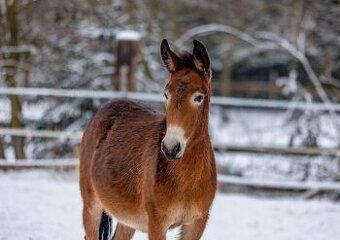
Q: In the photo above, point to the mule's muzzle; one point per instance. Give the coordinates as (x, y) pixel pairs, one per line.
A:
(173, 152)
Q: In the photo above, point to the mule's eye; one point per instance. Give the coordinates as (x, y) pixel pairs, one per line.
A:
(166, 96)
(198, 98)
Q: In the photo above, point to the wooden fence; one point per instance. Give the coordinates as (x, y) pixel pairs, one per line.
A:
(152, 97)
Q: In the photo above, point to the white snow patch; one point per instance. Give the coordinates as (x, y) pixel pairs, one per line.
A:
(128, 35)
(34, 111)
(93, 31)
(40, 205)
(5, 112)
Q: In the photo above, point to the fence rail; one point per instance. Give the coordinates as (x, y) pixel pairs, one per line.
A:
(73, 163)
(284, 185)
(39, 163)
(76, 135)
(278, 150)
(154, 97)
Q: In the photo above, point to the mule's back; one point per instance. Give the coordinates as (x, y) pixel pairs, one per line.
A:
(121, 118)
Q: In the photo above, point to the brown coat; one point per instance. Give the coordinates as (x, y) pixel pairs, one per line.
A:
(125, 173)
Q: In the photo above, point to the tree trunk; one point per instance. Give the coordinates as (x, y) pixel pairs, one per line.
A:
(156, 24)
(2, 150)
(130, 7)
(18, 143)
(174, 20)
(224, 88)
(298, 11)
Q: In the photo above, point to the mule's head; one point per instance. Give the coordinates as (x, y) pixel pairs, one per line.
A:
(187, 98)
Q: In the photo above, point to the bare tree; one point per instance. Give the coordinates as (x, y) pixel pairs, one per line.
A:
(11, 55)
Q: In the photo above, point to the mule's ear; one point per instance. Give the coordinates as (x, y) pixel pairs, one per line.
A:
(169, 58)
(201, 58)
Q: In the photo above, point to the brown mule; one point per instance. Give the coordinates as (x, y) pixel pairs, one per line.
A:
(150, 171)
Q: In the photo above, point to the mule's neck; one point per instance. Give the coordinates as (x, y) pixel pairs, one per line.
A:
(201, 139)
(201, 134)
(197, 157)
(198, 161)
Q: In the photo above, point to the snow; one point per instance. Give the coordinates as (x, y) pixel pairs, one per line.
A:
(93, 31)
(128, 35)
(275, 128)
(4, 110)
(31, 112)
(47, 205)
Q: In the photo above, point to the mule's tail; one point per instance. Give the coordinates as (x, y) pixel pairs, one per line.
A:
(105, 228)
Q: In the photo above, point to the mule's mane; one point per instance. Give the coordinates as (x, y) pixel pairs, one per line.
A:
(186, 60)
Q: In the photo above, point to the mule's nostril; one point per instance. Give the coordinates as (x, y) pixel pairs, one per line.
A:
(163, 148)
(171, 154)
(176, 149)
(165, 151)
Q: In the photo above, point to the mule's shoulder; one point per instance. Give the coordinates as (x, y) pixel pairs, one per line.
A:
(125, 107)
(127, 111)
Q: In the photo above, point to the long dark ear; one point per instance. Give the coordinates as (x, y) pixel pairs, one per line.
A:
(201, 58)
(169, 58)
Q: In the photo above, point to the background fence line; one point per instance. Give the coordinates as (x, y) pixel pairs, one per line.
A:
(156, 97)
(71, 163)
(76, 135)
(41, 133)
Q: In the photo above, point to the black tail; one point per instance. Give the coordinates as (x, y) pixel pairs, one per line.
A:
(105, 228)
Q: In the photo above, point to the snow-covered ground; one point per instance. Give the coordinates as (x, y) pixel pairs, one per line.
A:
(44, 205)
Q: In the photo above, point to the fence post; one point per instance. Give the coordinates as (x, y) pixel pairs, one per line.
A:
(126, 61)
(2, 149)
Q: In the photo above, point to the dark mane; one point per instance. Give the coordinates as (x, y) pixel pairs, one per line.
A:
(186, 60)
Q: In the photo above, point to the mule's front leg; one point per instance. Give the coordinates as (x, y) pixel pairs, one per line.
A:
(156, 229)
(123, 232)
(156, 224)
(195, 230)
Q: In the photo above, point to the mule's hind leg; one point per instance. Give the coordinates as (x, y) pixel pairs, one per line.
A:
(91, 219)
(123, 232)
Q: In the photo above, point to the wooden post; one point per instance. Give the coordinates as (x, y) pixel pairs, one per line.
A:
(2, 149)
(272, 93)
(18, 142)
(225, 81)
(126, 62)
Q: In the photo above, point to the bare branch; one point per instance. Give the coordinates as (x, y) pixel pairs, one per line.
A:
(213, 28)
(269, 41)
(309, 70)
